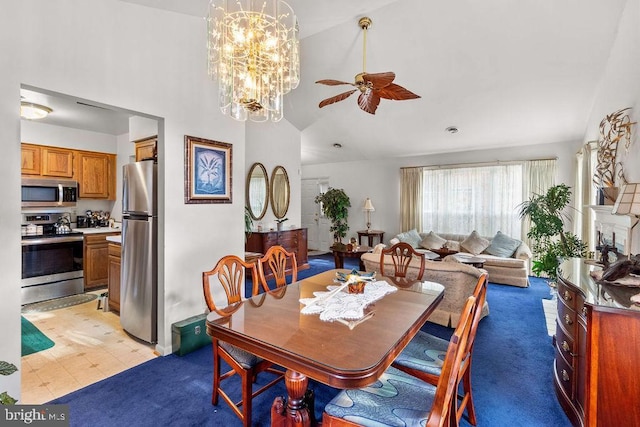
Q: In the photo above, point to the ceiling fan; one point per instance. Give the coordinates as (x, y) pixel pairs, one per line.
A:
(372, 87)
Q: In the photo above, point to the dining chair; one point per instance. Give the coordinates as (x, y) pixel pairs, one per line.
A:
(280, 263)
(422, 357)
(398, 398)
(402, 254)
(225, 284)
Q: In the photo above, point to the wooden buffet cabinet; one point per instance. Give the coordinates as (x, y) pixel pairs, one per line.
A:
(293, 240)
(597, 349)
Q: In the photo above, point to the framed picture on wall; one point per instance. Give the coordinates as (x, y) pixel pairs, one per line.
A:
(207, 171)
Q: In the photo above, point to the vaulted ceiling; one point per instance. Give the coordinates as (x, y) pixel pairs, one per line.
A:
(505, 73)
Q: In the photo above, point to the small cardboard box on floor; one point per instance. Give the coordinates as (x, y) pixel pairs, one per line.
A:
(189, 335)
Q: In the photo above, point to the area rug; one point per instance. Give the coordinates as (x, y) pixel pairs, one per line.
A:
(57, 303)
(33, 340)
(512, 378)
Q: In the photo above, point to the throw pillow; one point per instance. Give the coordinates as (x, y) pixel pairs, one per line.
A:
(432, 241)
(503, 245)
(474, 243)
(411, 237)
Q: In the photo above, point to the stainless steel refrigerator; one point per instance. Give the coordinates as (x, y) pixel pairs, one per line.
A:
(138, 281)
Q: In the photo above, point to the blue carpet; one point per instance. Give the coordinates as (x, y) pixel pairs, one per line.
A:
(511, 376)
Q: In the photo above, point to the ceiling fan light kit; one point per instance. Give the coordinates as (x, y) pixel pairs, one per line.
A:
(372, 87)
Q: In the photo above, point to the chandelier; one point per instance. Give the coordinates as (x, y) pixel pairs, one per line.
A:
(253, 51)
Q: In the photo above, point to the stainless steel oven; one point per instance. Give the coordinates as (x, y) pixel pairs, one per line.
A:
(52, 264)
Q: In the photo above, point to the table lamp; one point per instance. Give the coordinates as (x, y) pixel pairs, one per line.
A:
(368, 208)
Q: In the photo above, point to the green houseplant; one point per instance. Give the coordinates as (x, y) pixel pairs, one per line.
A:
(248, 223)
(335, 205)
(7, 368)
(551, 242)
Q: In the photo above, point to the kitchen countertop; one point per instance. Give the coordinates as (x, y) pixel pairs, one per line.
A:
(97, 230)
(115, 239)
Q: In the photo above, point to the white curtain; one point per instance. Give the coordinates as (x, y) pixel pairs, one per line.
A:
(538, 177)
(482, 198)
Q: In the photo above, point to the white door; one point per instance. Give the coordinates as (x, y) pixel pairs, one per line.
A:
(317, 225)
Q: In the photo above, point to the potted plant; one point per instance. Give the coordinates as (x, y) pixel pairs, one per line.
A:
(7, 368)
(248, 223)
(335, 205)
(281, 223)
(551, 242)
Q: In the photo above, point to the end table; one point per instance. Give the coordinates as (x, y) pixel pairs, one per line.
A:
(370, 235)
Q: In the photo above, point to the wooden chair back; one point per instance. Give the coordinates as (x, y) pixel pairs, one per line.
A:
(279, 262)
(229, 272)
(443, 408)
(401, 254)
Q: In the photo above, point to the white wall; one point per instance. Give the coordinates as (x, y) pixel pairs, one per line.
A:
(380, 180)
(140, 59)
(276, 144)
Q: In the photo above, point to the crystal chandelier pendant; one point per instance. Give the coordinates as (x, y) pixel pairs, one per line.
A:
(253, 51)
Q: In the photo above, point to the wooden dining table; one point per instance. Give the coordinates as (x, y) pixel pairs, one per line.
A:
(340, 354)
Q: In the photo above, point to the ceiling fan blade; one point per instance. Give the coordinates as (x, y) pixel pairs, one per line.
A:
(336, 98)
(396, 92)
(331, 82)
(368, 101)
(380, 80)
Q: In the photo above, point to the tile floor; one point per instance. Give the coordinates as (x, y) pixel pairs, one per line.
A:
(90, 345)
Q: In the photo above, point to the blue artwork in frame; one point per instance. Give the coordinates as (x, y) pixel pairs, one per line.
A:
(207, 171)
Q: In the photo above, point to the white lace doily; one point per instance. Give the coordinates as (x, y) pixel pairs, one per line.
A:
(343, 305)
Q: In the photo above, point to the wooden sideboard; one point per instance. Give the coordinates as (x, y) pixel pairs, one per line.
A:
(597, 349)
(293, 240)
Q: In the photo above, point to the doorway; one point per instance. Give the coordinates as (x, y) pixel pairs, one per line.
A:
(319, 236)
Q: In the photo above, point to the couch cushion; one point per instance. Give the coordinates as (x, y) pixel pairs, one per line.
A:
(474, 243)
(432, 241)
(503, 245)
(411, 237)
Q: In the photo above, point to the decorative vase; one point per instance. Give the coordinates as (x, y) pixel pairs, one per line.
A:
(279, 226)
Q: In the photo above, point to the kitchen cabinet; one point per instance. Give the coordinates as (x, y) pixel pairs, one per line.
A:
(114, 250)
(96, 260)
(96, 175)
(146, 148)
(294, 240)
(31, 159)
(57, 162)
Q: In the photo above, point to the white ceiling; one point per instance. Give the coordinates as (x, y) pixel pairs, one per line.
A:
(506, 73)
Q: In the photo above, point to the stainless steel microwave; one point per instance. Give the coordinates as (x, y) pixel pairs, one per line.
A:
(38, 192)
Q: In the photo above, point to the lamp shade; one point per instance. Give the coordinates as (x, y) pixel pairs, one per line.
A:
(368, 206)
(628, 202)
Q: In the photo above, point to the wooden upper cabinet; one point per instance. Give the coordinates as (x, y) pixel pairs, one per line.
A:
(31, 159)
(146, 148)
(96, 175)
(57, 162)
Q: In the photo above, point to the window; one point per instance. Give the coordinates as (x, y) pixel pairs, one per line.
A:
(483, 198)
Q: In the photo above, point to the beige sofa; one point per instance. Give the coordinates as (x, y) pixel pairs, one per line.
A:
(459, 281)
(512, 270)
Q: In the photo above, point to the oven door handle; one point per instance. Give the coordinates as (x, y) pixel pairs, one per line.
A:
(60, 195)
(51, 240)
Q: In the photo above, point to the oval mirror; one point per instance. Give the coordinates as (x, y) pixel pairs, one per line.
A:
(279, 192)
(257, 190)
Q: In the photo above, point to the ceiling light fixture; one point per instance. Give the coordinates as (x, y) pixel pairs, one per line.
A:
(254, 53)
(452, 129)
(31, 111)
(337, 145)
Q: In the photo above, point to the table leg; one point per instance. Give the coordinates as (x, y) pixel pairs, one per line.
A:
(338, 258)
(370, 236)
(297, 410)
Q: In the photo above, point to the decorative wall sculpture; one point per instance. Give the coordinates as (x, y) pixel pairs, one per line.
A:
(614, 128)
